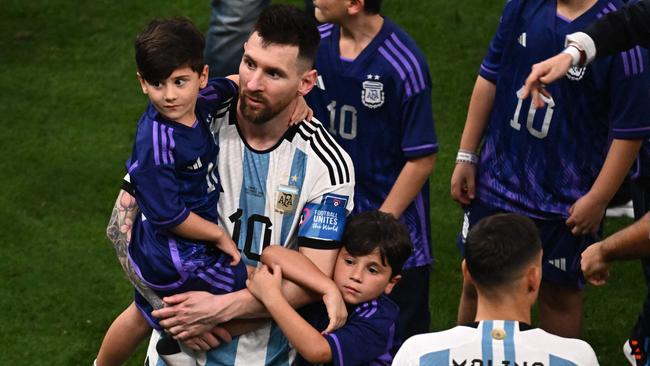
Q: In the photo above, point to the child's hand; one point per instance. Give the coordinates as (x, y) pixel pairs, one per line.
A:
(336, 310)
(301, 112)
(586, 215)
(226, 245)
(264, 284)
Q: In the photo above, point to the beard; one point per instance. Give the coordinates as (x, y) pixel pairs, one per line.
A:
(264, 114)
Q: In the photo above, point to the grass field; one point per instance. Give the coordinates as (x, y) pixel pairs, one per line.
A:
(69, 106)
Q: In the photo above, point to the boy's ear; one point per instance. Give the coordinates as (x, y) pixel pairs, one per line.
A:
(393, 281)
(355, 6)
(143, 84)
(466, 275)
(203, 76)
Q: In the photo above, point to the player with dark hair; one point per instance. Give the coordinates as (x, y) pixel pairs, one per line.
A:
(282, 185)
(503, 259)
(375, 247)
(374, 94)
(555, 164)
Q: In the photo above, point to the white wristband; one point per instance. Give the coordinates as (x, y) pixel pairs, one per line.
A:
(465, 156)
(574, 53)
(584, 42)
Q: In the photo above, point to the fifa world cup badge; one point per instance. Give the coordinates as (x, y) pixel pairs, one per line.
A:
(286, 198)
(372, 95)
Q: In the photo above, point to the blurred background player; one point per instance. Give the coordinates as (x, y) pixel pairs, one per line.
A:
(374, 94)
(503, 259)
(553, 164)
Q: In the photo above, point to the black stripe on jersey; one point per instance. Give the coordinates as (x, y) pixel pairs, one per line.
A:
(323, 144)
(313, 243)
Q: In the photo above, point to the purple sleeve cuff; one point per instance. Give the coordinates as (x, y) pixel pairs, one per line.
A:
(421, 150)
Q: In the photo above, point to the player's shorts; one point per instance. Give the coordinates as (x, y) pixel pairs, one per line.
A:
(218, 279)
(562, 250)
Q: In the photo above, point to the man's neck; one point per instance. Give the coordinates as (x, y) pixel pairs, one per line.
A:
(357, 32)
(266, 135)
(571, 9)
(506, 308)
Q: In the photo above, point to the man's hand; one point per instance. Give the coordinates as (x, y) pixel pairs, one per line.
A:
(586, 215)
(544, 73)
(192, 313)
(209, 340)
(594, 266)
(463, 183)
(336, 310)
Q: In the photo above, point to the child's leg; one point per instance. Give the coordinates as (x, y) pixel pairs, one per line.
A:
(123, 337)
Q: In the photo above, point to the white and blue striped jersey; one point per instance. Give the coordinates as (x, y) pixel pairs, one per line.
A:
(494, 342)
(296, 193)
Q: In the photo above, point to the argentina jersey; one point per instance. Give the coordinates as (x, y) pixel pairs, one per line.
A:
(173, 172)
(296, 193)
(378, 108)
(494, 342)
(538, 162)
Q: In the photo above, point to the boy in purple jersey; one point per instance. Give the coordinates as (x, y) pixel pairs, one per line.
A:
(375, 247)
(176, 244)
(374, 94)
(553, 164)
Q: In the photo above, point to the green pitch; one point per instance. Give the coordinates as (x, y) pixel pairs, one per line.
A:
(69, 105)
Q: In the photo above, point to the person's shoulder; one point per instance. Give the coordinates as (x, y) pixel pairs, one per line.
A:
(427, 343)
(324, 151)
(570, 349)
(380, 308)
(397, 34)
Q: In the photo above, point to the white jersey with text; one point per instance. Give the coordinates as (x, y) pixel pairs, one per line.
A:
(494, 342)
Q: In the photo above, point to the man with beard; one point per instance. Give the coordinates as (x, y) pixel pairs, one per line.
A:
(285, 185)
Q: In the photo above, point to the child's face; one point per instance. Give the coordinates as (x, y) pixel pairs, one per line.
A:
(330, 11)
(362, 278)
(175, 97)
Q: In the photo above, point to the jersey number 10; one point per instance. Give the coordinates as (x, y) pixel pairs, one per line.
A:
(540, 134)
(347, 114)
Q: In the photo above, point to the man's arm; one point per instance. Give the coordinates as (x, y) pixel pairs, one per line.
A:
(408, 184)
(119, 233)
(588, 211)
(622, 29)
(633, 242)
(463, 180)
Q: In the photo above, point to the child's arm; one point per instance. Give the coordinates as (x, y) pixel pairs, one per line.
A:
(299, 269)
(408, 184)
(587, 212)
(311, 345)
(463, 180)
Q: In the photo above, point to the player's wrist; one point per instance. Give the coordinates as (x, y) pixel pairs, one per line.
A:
(466, 157)
(577, 54)
(583, 43)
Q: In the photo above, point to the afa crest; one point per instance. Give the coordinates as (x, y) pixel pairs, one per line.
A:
(372, 95)
(576, 73)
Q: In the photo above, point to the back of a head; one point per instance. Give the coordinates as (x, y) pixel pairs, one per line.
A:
(499, 247)
(287, 25)
(372, 230)
(372, 6)
(167, 44)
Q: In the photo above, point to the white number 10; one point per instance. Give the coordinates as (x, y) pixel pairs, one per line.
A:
(540, 134)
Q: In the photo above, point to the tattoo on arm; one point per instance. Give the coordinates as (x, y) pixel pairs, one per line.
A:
(119, 233)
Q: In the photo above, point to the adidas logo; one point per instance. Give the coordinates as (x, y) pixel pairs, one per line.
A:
(522, 39)
(196, 166)
(559, 263)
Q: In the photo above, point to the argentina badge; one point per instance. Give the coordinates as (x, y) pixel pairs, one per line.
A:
(372, 95)
(286, 198)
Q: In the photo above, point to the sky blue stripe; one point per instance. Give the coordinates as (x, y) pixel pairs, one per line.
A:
(435, 358)
(252, 200)
(224, 354)
(509, 342)
(486, 342)
(298, 166)
(559, 361)
(277, 350)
